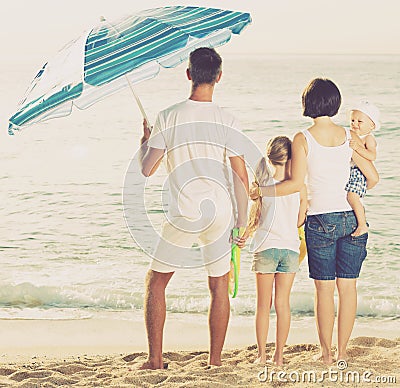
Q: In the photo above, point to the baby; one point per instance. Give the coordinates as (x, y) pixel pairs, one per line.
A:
(364, 118)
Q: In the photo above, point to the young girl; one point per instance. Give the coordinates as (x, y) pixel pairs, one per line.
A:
(275, 246)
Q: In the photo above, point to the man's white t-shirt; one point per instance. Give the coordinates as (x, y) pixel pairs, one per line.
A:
(198, 138)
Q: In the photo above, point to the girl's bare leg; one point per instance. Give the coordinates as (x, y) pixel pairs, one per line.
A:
(283, 285)
(264, 283)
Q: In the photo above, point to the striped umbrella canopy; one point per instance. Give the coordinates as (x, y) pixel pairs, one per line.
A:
(123, 53)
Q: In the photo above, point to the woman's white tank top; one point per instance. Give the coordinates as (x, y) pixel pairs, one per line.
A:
(328, 172)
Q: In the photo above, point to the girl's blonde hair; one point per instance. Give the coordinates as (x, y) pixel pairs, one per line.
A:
(278, 153)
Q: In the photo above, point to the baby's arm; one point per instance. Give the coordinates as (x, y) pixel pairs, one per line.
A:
(366, 166)
(367, 151)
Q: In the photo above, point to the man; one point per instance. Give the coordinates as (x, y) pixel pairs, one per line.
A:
(198, 137)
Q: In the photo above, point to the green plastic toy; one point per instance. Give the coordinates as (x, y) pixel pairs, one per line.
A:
(233, 284)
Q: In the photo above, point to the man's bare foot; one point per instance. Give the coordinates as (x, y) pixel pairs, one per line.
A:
(214, 363)
(209, 366)
(154, 366)
(361, 229)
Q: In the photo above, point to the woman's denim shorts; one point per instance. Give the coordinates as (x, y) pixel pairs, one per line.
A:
(332, 251)
(274, 260)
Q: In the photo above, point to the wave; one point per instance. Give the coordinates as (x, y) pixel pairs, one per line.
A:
(27, 296)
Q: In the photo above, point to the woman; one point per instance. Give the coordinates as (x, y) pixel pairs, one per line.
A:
(322, 153)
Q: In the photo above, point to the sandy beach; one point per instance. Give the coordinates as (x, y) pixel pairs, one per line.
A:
(107, 353)
(72, 275)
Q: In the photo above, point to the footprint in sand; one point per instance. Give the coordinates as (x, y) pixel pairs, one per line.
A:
(6, 371)
(153, 378)
(374, 341)
(71, 369)
(133, 356)
(25, 375)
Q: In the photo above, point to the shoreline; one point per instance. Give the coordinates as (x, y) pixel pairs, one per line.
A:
(117, 333)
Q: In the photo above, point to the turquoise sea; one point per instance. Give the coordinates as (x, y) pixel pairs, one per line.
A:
(65, 251)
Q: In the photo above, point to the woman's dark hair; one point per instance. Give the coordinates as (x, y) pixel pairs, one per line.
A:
(204, 66)
(321, 97)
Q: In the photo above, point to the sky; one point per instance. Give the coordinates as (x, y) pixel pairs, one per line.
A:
(41, 28)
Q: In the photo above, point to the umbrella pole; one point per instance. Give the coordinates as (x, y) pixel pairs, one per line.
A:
(140, 105)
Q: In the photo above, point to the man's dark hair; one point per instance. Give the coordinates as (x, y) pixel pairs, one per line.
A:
(321, 97)
(204, 66)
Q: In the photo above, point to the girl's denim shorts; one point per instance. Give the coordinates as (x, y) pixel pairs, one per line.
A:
(275, 260)
(332, 251)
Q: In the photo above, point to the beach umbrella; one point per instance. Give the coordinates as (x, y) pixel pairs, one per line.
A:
(114, 55)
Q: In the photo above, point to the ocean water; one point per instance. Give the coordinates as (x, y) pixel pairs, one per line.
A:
(65, 251)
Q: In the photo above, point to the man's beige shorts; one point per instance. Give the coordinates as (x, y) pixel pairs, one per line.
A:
(173, 250)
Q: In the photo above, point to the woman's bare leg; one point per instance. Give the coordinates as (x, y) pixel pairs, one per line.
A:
(325, 316)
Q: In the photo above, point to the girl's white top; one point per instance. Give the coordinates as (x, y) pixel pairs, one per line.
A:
(328, 170)
(278, 224)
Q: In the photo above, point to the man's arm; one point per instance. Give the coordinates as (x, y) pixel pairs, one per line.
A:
(149, 158)
(241, 188)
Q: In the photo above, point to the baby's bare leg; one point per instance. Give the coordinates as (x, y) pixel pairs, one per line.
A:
(359, 211)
